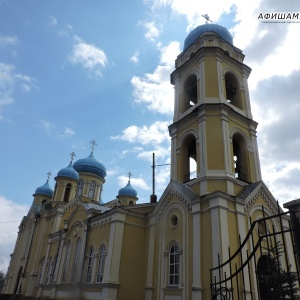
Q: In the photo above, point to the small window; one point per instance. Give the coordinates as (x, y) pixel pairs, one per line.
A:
(41, 266)
(92, 189)
(90, 265)
(48, 270)
(232, 90)
(190, 92)
(80, 188)
(66, 262)
(262, 227)
(75, 260)
(174, 265)
(174, 220)
(102, 255)
(67, 192)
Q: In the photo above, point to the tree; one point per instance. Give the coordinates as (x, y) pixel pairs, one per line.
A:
(274, 282)
(2, 278)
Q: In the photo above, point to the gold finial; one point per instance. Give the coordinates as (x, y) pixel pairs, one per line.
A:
(93, 142)
(207, 19)
(72, 156)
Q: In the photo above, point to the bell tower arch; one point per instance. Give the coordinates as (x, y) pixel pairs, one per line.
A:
(213, 133)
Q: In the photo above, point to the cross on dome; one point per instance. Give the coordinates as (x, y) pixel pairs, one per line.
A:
(72, 156)
(207, 18)
(93, 142)
(129, 176)
(48, 177)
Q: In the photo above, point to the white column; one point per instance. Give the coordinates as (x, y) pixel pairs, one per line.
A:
(203, 154)
(219, 225)
(113, 259)
(149, 281)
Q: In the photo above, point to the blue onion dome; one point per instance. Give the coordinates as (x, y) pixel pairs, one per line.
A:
(90, 165)
(128, 190)
(68, 172)
(221, 31)
(44, 190)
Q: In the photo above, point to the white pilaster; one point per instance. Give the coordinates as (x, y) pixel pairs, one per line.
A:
(197, 285)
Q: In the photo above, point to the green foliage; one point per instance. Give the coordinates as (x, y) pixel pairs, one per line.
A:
(2, 278)
(274, 282)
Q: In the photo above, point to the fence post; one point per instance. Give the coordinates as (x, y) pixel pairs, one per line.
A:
(294, 211)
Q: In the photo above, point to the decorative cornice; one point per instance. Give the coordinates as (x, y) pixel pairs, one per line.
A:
(173, 192)
(260, 192)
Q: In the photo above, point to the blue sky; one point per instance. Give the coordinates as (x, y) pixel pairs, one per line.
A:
(74, 71)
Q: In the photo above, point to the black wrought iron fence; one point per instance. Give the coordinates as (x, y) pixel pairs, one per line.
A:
(264, 267)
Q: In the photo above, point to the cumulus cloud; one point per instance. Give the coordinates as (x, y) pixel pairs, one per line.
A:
(156, 133)
(152, 32)
(90, 57)
(8, 40)
(154, 89)
(68, 132)
(135, 57)
(137, 183)
(11, 216)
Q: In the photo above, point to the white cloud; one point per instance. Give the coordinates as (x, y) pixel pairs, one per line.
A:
(48, 126)
(154, 89)
(136, 183)
(53, 21)
(9, 81)
(26, 82)
(90, 57)
(135, 57)
(156, 133)
(152, 32)
(8, 40)
(68, 132)
(193, 10)
(11, 216)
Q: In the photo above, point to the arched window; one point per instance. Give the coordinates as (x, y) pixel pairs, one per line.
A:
(190, 92)
(40, 272)
(48, 270)
(92, 189)
(66, 261)
(233, 95)
(174, 265)
(240, 158)
(67, 192)
(90, 265)
(189, 158)
(80, 188)
(101, 262)
(75, 260)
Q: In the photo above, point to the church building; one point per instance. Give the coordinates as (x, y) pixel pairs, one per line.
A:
(72, 245)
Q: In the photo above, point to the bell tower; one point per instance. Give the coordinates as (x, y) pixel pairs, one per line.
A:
(214, 146)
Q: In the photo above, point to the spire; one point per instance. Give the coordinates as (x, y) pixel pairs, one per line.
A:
(72, 156)
(93, 142)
